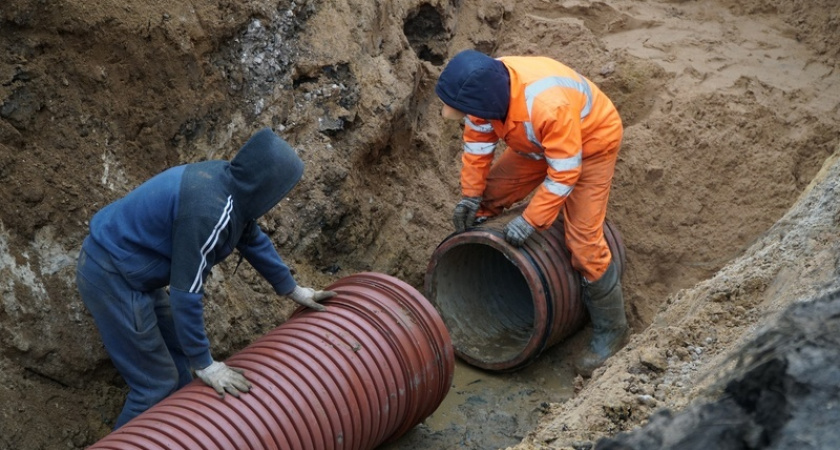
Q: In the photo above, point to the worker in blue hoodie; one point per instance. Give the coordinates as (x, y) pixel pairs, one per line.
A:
(168, 233)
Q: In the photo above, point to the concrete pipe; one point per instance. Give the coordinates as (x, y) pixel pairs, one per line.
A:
(502, 305)
(370, 368)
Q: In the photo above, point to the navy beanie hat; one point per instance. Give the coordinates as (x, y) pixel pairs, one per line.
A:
(476, 84)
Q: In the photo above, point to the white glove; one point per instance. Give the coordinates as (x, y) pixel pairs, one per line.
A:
(310, 297)
(223, 378)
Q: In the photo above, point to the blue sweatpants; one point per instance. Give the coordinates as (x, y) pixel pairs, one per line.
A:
(138, 332)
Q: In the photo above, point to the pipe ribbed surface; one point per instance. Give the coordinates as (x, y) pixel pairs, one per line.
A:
(504, 305)
(370, 368)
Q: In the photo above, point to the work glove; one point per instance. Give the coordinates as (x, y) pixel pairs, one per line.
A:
(464, 214)
(310, 297)
(223, 378)
(517, 231)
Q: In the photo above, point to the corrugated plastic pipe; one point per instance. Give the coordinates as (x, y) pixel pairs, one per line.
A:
(504, 306)
(377, 363)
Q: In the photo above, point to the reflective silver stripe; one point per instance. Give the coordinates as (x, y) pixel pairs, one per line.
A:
(210, 243)
(536, 88)
(561, 164)
(556, 188)
(530, 155)
(588, 92)
(479, 148)
(486, 128)
(529, 130)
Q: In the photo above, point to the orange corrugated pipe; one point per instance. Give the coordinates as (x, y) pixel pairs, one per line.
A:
(505, 305)
(375, 364)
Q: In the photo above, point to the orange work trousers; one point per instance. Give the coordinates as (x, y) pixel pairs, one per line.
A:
(513, 177)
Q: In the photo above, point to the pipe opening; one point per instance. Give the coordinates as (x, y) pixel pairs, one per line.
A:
(504, 305)
(486, 302)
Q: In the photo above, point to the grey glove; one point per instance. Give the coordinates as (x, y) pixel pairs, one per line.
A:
(223, 379)
(464, 214)
(517, 231)
(310, 297)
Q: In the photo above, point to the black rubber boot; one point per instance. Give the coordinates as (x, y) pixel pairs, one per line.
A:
(605, 303)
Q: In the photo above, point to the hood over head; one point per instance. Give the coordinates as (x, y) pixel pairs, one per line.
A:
(476, 84)
(264, 171)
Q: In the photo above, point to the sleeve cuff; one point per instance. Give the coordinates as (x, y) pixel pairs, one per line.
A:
(201, 361)
(286, 287)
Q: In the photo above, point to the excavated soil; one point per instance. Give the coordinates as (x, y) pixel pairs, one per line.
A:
(725, 192)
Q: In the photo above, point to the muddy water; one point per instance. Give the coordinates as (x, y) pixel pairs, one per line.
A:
(489, 410)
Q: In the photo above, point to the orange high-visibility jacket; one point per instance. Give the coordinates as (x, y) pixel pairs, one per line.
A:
(554, 114)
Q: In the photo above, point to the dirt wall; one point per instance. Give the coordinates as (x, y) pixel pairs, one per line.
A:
(727, 107)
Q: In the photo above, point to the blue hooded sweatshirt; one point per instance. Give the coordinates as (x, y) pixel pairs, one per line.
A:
(172, 229)
(476, 84)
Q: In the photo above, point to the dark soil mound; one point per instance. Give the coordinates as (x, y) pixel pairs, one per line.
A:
(785, 395)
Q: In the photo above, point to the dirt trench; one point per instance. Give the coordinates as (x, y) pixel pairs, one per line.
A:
(730, 109)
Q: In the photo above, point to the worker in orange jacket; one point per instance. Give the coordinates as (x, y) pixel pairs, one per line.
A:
(562, 136)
